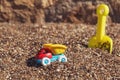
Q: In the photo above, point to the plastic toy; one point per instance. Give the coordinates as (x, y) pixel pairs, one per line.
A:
(50, 53)
(101, 40)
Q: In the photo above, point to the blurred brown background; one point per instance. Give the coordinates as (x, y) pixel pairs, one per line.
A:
(40, 11)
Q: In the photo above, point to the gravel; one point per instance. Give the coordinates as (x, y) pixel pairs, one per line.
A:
(19, 43)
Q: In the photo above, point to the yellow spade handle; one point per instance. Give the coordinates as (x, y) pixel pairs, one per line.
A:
(102, 12)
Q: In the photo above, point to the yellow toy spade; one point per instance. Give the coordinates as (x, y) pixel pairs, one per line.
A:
(101, 40)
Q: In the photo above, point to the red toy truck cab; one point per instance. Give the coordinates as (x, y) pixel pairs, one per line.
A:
(44, 52)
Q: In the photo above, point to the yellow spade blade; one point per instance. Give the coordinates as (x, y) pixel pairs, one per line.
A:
(101, 40)
(106, 43)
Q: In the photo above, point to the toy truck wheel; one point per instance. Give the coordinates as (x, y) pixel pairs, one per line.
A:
(62, 59)
(45, 61)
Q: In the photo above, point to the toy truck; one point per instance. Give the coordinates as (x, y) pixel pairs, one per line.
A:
(50, 53)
